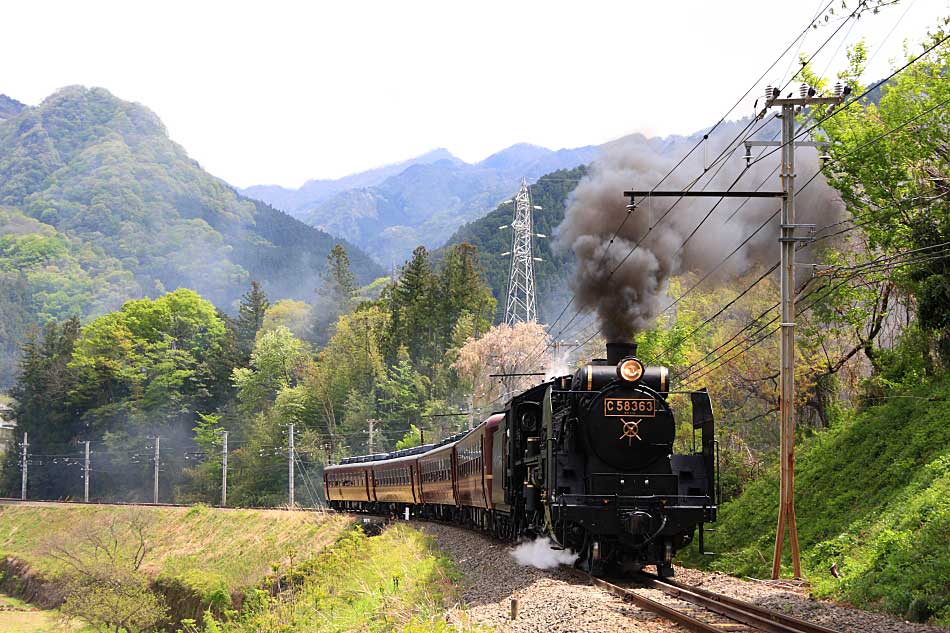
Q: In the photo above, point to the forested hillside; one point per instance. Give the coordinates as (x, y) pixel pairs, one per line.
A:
(98, 205)
(550, 193)
(177, 368)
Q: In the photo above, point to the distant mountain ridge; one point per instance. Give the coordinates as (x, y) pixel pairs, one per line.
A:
(390, 210)
(293, 201)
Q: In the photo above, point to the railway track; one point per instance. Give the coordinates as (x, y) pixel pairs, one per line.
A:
(705, 611)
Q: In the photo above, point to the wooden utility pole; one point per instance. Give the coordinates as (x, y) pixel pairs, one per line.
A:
(290, 465)
(24, 466)
(788, 242)
(158, 444)
(85, 475)
(224, 469)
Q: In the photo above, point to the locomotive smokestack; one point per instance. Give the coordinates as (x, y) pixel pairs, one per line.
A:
(616, 352)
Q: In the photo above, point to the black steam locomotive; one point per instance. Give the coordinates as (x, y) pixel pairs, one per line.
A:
(585, 459)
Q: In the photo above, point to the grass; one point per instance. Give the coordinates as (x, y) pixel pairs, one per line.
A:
(25, 619)
(210, 550)
(873, 499)
(397, 581)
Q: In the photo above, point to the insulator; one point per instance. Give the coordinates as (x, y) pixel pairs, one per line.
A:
(839, 87)
(803, 90)
(768, 93)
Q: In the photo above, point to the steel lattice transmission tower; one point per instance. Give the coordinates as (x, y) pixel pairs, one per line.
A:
(521, 304)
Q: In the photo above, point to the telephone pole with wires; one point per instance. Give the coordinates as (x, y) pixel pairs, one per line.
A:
(25, 465)
(788, 241)
(224, 469)
(521, 303)
(85, 474)
(290, 465)
(158, 444)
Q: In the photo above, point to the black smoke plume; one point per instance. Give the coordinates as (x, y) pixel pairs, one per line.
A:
(627, 290)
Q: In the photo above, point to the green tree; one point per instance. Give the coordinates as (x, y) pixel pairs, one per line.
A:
(412, 438)
(274, 363)
(335, 295)
(413, 304)
(251, 313)
(296, 316)
(891, 163)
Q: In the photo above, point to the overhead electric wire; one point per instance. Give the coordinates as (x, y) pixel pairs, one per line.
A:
(852, 152)
(725, 152)
(854, 100)
(880, 264)
(713, 129)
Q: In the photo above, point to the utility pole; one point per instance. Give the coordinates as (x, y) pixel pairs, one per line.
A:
(520, 304)
(371, 442)
(85, 475)
(158, 443)
(788, 242)
(224, 469)
(290, 465)
(25, 465)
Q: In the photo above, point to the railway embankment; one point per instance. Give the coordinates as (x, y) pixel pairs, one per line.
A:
(873, 509)
(197, 559)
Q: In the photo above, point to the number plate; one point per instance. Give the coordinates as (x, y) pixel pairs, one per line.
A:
(634, 407)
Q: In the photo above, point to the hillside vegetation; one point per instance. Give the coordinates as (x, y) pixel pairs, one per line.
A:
(394, 581)
(215, 553)
(243, 570)
(98, 205)
(873, 500)
(550, 193)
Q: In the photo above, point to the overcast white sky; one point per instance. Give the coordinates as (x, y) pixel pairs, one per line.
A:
(280, 92)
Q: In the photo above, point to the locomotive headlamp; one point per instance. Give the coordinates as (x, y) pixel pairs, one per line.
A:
(630, 369)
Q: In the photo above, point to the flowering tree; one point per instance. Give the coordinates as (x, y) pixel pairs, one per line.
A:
(504, 349)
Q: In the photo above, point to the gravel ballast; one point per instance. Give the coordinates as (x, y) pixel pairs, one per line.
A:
(558, 601)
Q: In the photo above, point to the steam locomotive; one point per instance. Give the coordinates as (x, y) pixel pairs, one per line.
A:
(586, 460)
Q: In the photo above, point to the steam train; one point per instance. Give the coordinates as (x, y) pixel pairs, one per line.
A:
(586, 460)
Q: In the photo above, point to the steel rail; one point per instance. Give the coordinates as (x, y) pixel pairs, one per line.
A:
(735, 609)
(668, 612)
(741, 612)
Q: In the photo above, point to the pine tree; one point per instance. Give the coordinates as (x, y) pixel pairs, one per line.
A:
(414, 310)
(335, 296)
(462, 290)
(338, 275)
(251, 316)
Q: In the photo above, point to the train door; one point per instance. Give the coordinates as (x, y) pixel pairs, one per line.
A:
(499, 465)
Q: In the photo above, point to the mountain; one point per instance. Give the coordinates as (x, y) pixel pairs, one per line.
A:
(313, 192)
(9, 107)
(552, 273)
(424, 200)
(98, 205)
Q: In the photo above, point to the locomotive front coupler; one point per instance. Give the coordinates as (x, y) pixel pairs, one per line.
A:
(642, 523)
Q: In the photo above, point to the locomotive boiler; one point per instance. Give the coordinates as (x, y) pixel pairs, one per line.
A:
(586, 459)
